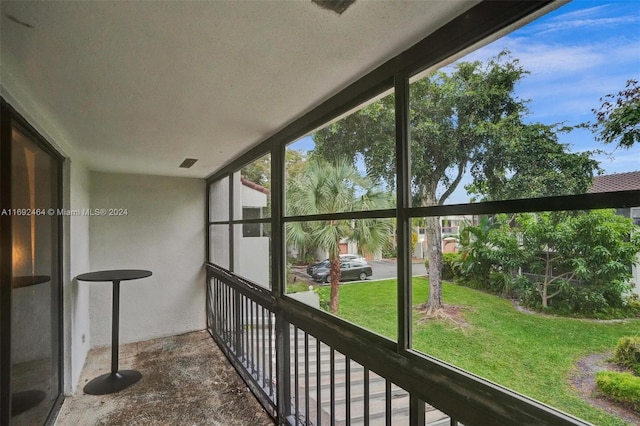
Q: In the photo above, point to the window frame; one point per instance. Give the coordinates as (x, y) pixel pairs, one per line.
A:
(482, 22)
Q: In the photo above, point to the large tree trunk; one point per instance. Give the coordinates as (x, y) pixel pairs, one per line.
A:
(433, 236)
(334, 273)
(434, 248)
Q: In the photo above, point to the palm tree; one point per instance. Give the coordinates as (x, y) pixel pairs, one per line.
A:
(324, 188)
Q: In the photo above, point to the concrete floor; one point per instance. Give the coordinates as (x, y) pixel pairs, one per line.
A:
(186, 380)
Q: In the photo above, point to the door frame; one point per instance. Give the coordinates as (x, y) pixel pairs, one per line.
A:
(9, 117)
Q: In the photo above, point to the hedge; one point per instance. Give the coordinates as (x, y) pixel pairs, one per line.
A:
(621, 387)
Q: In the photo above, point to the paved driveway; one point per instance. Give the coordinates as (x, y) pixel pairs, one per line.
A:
(385, 269)
(382, 270)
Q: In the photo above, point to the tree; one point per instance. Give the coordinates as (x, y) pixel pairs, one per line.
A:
(595, 248)
(618, 118)
(467, 119)
(323, 188)
(532, 163)
(259, 171)
(490, 246)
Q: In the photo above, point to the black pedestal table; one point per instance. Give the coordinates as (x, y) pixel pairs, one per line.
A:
(116, 380)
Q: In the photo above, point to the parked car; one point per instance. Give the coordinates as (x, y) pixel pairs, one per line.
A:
(351, 270)
(325, 263)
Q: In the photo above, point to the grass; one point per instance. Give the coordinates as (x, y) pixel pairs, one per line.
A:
(531, 354)
(298, 287)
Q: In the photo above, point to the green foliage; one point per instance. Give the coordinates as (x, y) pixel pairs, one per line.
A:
(450, 265)
(579, 299)
(627, 353)
(389, 252)
(632, 304)
(575, 262)
(592, 249)
(467, 119)
(490, 255)
(618, 118)
(259, 171)
(297, 287)
(414, 241)
(532, 163)
(322, 188)
(621, 387)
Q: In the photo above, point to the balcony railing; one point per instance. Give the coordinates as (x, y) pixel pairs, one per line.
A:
(310, 368)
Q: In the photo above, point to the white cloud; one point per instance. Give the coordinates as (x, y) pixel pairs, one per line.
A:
(588, 19)
(582, 13)
(574, 59)
(575, 24)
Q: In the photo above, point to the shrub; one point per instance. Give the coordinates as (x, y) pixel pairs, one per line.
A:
(504, 284)
(621, 387)
(414, 241)
(627, 353)
(389, 252)
(632, 305)
(582, 300)
(449, 265)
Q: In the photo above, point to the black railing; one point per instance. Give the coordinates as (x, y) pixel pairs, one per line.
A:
(243, 326)
(335, 373)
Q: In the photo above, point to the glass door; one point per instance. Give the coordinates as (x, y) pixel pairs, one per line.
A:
(34, 299)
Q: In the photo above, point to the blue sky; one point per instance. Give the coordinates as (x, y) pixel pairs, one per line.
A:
(576, 55)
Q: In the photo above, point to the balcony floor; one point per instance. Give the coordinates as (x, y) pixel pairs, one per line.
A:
(186, 380)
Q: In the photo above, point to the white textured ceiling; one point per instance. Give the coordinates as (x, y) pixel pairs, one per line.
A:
(138, 86)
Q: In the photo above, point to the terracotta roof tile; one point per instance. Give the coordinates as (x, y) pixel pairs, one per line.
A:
(616, 182)
(246, 182)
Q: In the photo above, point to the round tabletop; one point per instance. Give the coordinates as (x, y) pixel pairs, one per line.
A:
(114, 275)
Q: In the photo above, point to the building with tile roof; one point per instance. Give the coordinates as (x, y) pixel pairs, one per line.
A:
(616, 182)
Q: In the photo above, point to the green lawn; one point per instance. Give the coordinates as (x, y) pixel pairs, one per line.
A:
(531, 354)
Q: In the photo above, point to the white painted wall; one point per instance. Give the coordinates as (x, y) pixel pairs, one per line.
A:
(163, 231)
(76, 295)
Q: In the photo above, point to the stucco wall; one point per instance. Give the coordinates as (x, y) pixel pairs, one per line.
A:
(76, 302)
(163, 231)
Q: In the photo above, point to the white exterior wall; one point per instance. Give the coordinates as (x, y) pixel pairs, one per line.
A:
(252, 197)
(163, 232)
(251, 256)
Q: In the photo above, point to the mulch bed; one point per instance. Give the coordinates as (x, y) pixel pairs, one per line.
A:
(583, 379)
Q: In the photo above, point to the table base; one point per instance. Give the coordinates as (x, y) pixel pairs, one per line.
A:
(112, 382)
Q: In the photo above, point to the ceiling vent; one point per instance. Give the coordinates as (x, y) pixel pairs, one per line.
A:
(338, 6)
(188, 162)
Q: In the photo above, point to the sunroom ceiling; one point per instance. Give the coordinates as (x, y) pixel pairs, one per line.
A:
(137, 87)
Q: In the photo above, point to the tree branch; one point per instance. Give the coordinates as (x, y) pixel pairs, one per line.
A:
(549, 296)
(561, 276)
(454, 184)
